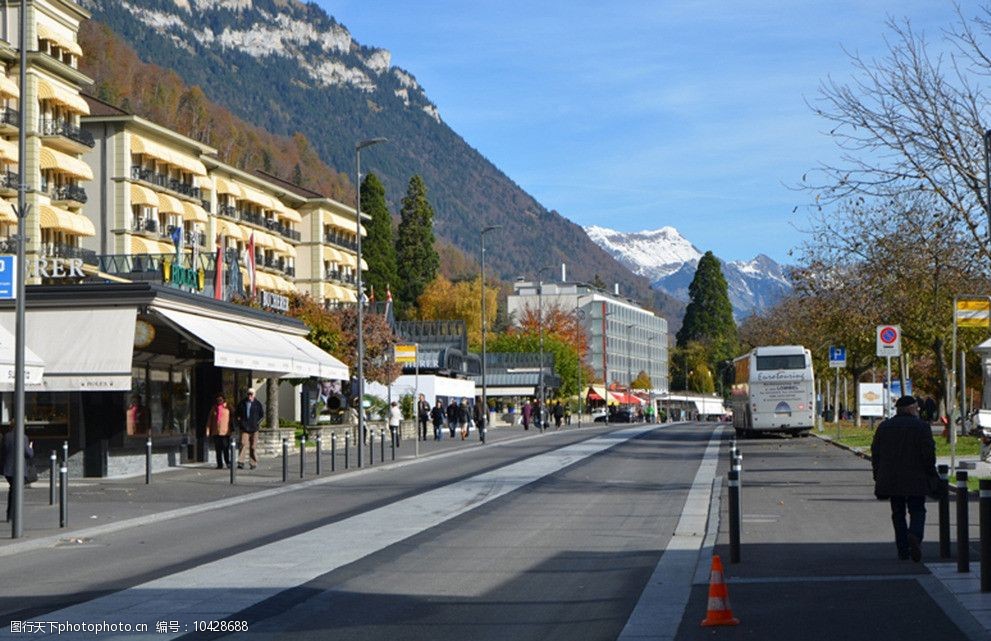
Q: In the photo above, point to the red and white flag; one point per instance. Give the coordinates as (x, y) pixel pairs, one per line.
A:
(250, 264)
(218, 274)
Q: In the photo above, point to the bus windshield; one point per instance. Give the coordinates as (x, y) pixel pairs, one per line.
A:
(785, 361)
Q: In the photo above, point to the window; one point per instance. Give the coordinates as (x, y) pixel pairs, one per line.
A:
(785, 361)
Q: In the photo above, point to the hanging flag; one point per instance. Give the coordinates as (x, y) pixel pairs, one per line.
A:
(388, 299)
(371, 296)
(973, 313)
(176, 234)
(250, 264)
(218, 274)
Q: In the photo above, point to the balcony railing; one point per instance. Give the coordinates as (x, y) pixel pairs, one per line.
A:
(66, 251)
(8, 180)
(197, 238)
(289, 270)
(69, 192)
(254, 219)
(152, 263)
(228, 210)
(66, 129)
(10, 116)
(149, 225)
(149, 176)
(342, 241)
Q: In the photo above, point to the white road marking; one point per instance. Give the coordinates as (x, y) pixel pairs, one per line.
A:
(216, 590)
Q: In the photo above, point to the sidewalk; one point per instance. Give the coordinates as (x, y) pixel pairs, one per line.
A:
(96, 502)
(818, 559)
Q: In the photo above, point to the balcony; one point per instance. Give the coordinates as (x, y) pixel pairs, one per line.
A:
(341, 241)
(66, 136)
(8, 182)
(163, 181)
(340, 277)
(88, 256)
(289, 270)
(228, 210)
(146, 226)
(10, 120)
(254, 219)
(197, 238)
(70, 193)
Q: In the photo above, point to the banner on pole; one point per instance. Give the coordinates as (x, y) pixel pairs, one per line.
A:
(405, 353)
(973, 313)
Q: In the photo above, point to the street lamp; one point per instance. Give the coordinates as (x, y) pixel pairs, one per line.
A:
(540, 329)
(629, 358)
(987, 177)
(580, 332)
(485, 389)
(360, 338)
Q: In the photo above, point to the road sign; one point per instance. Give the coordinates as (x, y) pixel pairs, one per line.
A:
(406, 353)
(889, 340)
(870, 399)
(8, 276)
(837, 356)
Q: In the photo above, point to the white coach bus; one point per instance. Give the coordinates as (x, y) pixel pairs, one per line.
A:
(774, 391)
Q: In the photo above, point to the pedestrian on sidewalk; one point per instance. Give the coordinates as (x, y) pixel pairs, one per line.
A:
(8, 458)
(250, 414)
(464, 416)
(395, 420)
(903, 455)
(218, 427)
(422, 416)
(527, 414)
(558, 415)
(453, 412)
(437, 416)
(480, 416)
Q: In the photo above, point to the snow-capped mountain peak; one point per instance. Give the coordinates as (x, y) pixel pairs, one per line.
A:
(651, 253)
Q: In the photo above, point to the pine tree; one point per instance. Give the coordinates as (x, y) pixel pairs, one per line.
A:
(377, 248)
(709, 316)
(416, 257)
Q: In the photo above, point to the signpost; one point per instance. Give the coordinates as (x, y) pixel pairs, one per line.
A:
(8, 277)
(889, 343)
(837, 359)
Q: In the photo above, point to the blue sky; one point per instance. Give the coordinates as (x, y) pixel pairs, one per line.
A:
(641, 114)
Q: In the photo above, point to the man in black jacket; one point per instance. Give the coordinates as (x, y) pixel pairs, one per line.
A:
(249, 415)
(422, 416)
(903, 454)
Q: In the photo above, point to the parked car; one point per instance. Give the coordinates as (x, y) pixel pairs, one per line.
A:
(600, 415)
(622, 415)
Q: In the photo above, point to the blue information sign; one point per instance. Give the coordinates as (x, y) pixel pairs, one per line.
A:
(7, 277)
(837, 356)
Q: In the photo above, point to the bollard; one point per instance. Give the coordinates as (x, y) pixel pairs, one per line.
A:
(963, 543)
(319, 452)
(734, 516)
(302, 456)
(347, 448)
(52, 472)
(944, 513)
(393, 440)
(63, 498)
(382, 446)
(371, 446)
(985, 488)
(232, 457)
(148, 461)
(285, 460)
(333, 452)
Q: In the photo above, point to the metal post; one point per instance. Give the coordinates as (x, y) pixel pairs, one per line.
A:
(951, 395)
(333, 452)
(887, 400)
(382, 444)
(987, 180)
(485, 389)
(232, 455)
(371, 446)
(963, 392)
(302, 456)
(319, 448)
(734, 516)
(347, 449)
(285, 460)
(540, 329)
(63, 498)
(944, 513)
(394, 442)
(985, 488)
(836, 403)
(148, 461)
(52, 472)
(963, 525)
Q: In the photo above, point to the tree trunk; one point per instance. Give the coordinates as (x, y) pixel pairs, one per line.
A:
(944, 376)
(272, 396)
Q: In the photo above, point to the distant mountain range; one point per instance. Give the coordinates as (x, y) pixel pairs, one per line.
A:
(669, 260)
(289, 67)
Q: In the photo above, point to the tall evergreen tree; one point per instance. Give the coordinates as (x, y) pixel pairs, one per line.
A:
(709, 316)
(415, 254)
(377, 248)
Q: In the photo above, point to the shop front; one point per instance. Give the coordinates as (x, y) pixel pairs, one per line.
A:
(120, 363)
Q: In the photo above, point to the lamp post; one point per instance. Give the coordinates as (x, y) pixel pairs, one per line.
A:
(360, 338)
(987, 177)
(629, 358)
(540, 329)
(485, 389)
(580, 331)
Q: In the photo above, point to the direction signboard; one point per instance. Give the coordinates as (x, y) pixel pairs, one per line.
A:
(837, 356)
(406, 353)
(889, 340)
(870, 399)
(8, 277)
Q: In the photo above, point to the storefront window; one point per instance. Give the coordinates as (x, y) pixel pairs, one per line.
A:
(159, 401)
(46, 414)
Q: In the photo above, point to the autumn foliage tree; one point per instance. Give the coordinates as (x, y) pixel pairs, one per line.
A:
(379, 343)
(558, 322)
(444, 300)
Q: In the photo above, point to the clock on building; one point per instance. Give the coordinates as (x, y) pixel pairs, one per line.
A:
(144, 334)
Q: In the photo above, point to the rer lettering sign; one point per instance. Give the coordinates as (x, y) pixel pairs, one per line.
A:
(889, 340)
(405, 353)
(8, 277)
(837, 356)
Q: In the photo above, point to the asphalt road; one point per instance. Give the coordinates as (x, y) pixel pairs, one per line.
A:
(544, 538)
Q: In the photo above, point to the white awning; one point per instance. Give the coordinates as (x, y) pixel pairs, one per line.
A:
(34, 367)
(264, 351)
(84, 350)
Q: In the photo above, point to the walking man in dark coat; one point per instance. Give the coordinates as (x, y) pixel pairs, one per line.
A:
(9, 461)
(250, 414)
(422, 416)
(903, 454)
(453, 416)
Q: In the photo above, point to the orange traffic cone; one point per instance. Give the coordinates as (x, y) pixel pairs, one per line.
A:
(719, 612)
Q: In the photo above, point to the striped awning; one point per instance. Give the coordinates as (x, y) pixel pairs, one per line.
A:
(331, 254)
(64, 163)
(139, 245)
(263, 239)
(61, 37)
(261, 198)
(227, 228)
(195, 213)
(290, 214)
(52, 217)
(68, 98)
(7, 211)
(225, 186)
(336, 220)
(170, 205)
(8, 150)
(282, 247)
(265, 281)
(8, 87)
(143, 196)
(141, 145)
(351, 260)
(283, 285)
